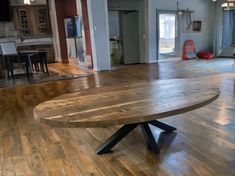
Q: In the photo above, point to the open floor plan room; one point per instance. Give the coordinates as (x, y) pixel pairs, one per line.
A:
(203, 144)
(117, 87)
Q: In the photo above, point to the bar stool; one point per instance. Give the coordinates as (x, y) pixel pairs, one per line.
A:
(43, 61)
(28, 59)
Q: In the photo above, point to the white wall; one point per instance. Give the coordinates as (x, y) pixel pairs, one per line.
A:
(124, 4)
(204, 11)
(98, 19)
(114, 24)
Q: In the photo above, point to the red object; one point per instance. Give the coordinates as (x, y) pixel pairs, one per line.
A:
(205, 55)
(189, 50)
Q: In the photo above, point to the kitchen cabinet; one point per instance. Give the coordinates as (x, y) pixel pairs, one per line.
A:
(32, 20)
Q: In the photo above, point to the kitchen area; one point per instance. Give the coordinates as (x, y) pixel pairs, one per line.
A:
(39, 25)
(28, 24)
(25, 26)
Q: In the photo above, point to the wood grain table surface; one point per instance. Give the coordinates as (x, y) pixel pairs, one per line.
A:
(126, 103)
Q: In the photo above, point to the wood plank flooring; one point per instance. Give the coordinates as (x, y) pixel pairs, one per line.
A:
(69, 70)
(204, 144)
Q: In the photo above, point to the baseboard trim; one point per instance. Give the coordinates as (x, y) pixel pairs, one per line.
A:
(153, 61)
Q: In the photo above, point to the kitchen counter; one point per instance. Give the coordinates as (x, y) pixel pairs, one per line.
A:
(43, 43)
(29, 41)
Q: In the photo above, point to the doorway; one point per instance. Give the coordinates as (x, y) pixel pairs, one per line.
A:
(124, 37)
(130, 37)
(167, 35)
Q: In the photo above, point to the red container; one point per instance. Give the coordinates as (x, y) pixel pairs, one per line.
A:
(189, 50)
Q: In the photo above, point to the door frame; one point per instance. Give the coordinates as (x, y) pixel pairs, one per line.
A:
(177, 39)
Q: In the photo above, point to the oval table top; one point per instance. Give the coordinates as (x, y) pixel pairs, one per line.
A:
(126, 103)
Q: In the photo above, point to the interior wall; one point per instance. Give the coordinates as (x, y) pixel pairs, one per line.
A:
(64, 9)
(99, 29)
(140, 7)
(7, 29)
(114, 24)
(87, 38)
(204, 11)
(124, 4)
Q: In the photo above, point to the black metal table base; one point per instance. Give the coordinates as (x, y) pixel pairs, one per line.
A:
(126, 129)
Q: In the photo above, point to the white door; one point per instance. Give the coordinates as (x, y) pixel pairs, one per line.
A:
(130, 37)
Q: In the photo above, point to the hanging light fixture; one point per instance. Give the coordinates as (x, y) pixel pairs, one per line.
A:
(27, 2)
(229, 5)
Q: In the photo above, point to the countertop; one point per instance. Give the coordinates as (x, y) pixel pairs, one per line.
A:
(29, 41)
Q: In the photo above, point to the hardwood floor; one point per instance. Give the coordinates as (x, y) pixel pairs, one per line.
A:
(70, 70)
(203, 145)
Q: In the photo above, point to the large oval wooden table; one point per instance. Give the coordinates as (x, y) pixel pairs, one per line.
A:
(129, 105)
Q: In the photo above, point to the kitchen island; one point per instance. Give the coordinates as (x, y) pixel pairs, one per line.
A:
(32, 43)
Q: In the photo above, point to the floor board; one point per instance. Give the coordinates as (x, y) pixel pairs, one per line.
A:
(203, 145)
